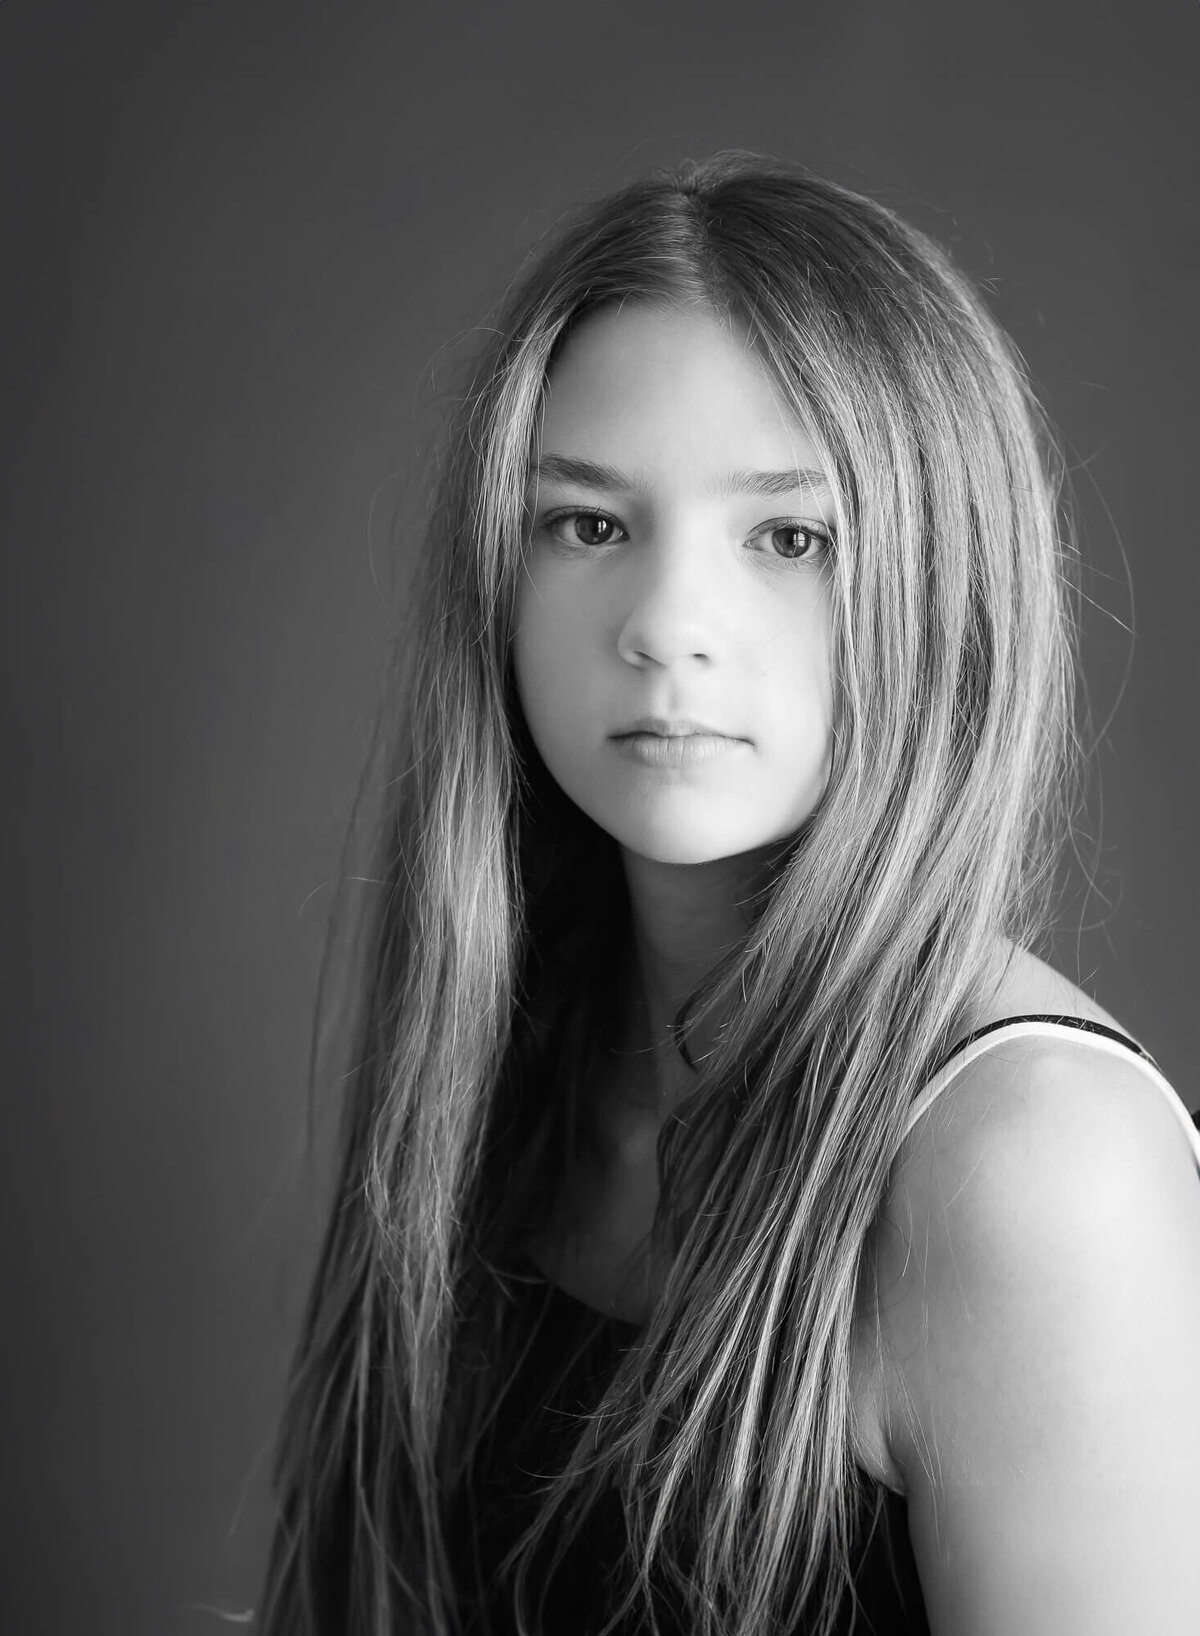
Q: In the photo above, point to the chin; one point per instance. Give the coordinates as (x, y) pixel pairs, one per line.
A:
(681, 845)
(664, 852)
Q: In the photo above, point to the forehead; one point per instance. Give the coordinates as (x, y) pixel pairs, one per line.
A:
(672, 392)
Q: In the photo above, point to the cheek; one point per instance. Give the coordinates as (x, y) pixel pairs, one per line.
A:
(543, 645)
(794, 667)
(796, 688)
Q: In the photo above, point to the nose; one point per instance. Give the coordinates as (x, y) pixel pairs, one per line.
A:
(674, 610)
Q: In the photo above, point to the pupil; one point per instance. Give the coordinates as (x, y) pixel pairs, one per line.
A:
(594, 529)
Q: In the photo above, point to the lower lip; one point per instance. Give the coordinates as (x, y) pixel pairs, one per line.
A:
(688, 750)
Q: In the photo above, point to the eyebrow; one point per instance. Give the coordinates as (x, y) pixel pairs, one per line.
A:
(592, 475)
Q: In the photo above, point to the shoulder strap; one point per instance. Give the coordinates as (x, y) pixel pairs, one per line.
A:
(1090, 1033)
(1056, 1020)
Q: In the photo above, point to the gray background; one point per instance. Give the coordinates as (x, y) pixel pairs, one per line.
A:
(244, 245)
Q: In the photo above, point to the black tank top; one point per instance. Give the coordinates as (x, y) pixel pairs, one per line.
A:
(535, 1426)
(572, 1355)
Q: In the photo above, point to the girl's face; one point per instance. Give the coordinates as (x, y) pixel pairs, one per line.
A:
(672, 645)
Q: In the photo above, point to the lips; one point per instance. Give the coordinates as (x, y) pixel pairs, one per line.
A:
(677, 754)
(670, 727)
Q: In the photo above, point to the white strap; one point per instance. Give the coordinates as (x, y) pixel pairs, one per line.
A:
(1081, 1036)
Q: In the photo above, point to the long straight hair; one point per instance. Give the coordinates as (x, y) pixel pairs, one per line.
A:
(727, 1430)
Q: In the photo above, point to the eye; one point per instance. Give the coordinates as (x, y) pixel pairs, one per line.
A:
(796, 541)
(576, 527)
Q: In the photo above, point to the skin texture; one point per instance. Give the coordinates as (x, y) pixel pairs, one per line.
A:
(688, 608)
(1039, 1261)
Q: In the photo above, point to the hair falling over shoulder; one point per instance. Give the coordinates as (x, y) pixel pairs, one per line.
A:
(726, 1431)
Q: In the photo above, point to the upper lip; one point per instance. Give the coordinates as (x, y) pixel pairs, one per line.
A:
(669, 727)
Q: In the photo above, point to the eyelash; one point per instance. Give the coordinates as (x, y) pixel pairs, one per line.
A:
(820, 538)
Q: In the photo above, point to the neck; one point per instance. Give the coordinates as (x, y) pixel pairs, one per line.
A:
(685, 917)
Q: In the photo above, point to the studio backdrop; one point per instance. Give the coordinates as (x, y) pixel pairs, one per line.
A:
(246, 247)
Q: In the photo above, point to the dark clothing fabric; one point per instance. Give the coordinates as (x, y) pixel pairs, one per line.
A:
(535, 1426)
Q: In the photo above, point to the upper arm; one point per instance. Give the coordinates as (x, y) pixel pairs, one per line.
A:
(1039, 1278)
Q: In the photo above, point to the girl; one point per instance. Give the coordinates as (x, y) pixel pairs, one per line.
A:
(737, 1230)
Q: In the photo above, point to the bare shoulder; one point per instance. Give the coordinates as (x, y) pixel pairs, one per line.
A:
(1042, 1121)
(1038, 1307)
